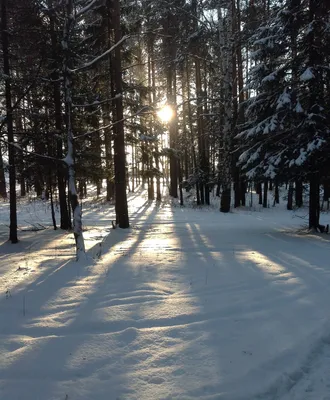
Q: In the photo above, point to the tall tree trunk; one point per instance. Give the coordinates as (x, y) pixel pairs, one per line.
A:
(265, 199)
(200, 133)
(171, 99)
(65, 221)
(119, 140)
(153, 85)
(69, 159)
(225, 39)
(9, 121)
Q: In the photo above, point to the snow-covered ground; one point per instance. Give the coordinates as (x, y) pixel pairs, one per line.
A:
(186, 304)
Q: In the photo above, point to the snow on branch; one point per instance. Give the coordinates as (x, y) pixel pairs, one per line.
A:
(97, 102)
(100, 57)
(85, 9)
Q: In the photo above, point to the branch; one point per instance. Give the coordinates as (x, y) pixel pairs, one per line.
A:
(85, 9)
(97, 103)
(97, 59)
(15, 105)
(30, 152)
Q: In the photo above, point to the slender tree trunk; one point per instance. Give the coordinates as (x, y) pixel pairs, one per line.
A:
(299, 193)
(69, 159)
(243, 192)
(192, 135)
(9, 122)
(171, 100)
(65, 222)
(314, 202)
(3, 190)
(259, 192)
(200, 133)
(237, 188)
(180, 183)
(153, 84)
(277, 193)
(290, 197)
(52, 200)
(265, 199)
(225, 39)
(119, 140)
(108, 153)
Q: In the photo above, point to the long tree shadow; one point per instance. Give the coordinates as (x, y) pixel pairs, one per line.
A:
(181, 306)
(66, 312)
(268, 285)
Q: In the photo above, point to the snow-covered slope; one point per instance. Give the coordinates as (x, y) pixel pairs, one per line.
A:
(186, 304)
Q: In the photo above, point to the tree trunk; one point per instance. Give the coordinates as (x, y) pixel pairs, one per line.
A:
(69, 159)
(51, 199)
(225, 200)
(270, 186)
(225, 40)
(299, 193)
(180, 183)
(290, 197)
(237, 188)
(277, 193)
(65, 222)
(171, 100)
(3, 190)
(314, 202)
(259, 191)
(265, 199)
(243, 192)
(119, 140)
(9, 121)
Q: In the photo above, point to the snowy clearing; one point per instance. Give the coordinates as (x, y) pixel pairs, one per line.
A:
(186, 304)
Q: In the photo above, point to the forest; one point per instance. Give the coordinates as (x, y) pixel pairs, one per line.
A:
(224, 97)
(165, 189)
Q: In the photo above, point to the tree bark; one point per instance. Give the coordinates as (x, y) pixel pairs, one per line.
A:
(119, 140)
(314, 202)
(259, 191)
(65, 222)
(299, 193)
(9, 122)
(265, 199)
(277, 193)
(290, 197)
(3, 189)
(69, 159)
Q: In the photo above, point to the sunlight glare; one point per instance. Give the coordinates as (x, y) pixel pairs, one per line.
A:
(166, 113)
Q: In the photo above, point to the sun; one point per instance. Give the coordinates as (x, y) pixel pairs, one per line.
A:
(166, 113)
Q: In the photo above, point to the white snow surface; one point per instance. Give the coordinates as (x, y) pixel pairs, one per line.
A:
(307, 75)
(186, 304)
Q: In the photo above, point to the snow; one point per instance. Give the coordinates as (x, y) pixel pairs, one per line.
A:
(269, 78)
(299, 108)
(68, 160)
(283, 99)
(186, 304)
(307, 75)
(302, 157)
